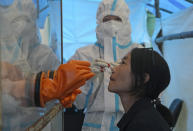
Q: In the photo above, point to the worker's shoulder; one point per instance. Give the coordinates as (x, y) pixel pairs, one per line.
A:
(89, 49)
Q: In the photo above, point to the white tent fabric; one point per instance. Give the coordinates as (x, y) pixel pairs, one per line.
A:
(138, 20)
(178, 54)
(6, 2)
(170, 5)
(79, 22)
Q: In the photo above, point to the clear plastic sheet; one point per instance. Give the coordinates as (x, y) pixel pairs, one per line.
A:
(23, 55)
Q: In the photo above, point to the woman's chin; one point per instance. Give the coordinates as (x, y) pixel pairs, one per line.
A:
(111, 89)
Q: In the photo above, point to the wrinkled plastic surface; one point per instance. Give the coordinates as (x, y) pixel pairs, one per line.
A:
(22, 56)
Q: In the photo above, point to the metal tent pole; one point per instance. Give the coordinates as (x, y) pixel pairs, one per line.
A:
(181, 35)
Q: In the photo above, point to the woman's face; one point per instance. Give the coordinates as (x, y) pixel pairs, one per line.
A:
(121, 79)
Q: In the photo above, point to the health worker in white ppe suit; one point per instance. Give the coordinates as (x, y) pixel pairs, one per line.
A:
(28, 79)
(103, 109)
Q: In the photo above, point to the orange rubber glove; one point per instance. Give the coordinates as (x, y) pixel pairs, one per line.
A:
(67, 79)
(69, 100)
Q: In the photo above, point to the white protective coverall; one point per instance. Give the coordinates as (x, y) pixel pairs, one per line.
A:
(103, 109)
(20, 46)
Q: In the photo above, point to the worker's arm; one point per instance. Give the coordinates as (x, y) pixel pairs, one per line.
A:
(39, 88)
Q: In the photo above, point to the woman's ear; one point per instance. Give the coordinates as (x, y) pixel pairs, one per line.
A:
(147, 77)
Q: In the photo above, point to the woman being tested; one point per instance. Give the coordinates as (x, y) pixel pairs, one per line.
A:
(139, 79)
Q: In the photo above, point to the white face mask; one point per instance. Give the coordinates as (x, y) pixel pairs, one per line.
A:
(113, 29)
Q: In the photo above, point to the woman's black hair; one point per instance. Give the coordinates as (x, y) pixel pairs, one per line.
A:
(146, 61)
